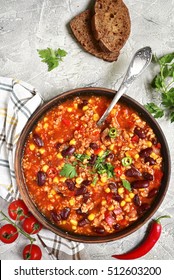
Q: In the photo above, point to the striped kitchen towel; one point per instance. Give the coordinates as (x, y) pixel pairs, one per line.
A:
(18, 101)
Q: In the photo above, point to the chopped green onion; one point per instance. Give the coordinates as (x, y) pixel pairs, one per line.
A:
(113, 132)
(126, 161)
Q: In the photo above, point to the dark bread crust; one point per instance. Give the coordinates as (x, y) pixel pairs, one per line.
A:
(111, 24)
(81, 28)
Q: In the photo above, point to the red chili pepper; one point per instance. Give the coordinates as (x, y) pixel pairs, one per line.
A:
(147, 244)
(67, 122)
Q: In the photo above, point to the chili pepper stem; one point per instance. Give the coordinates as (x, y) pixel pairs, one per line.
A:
(18, 228)
(158, 220)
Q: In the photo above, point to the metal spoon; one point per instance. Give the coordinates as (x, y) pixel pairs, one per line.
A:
(138, 64)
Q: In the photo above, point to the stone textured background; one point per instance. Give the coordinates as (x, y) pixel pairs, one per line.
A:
(26, 26)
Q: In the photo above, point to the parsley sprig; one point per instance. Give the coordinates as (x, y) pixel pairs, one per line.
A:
(52, 57)
(163, 83)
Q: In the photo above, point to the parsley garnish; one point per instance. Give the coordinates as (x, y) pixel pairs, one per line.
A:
(68, 171)
(126, 184)
(163, 84)
(81, 157)
(52, 57)
(102, 167)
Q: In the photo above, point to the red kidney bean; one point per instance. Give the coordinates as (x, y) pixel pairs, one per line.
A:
(133, 172)
(83, 103)
(143, 208)
(116, 226)
(70, 184)
(113, 187)
(85, 182)
(136, 200)
(145, 152)
(68, 152)
(140, 132)
(117, 197)
(38, 140)
(86, 196)
(150, 160)
(140, 184)
(57, 145)
(92, 159)
(83, 222)
(80, 191)
(147, 176)
(41, 178)
(99, 230)
(110, 156)
(79, 212)
(55, 216)
(152, 193)
(93, 146)
(65, 212)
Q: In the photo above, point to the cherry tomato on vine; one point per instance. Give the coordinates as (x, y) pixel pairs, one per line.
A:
(31, 225)
(32, 252)
(8, 233)
(17, 210)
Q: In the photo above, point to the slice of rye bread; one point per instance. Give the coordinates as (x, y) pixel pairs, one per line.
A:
(111, 24)
(81, 28)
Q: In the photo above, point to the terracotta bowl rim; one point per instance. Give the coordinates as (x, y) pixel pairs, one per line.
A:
(23, 188)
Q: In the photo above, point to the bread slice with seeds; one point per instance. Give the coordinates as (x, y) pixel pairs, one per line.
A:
(111, 24)
(81, 28)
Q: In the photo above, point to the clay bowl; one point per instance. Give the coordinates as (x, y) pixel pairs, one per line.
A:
(23, 188)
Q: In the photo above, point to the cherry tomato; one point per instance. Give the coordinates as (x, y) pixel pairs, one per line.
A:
(17, 210)
(51, 172)
(31, 225)
(8, 233)
(32, 252)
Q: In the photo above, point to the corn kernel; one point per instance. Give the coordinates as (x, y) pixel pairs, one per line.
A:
(79, 180)
(103, 179)
(103, 202)
(91, 217)
(153, 155)
(73, 222)
(136, 156)
(131, 195)
(88, 153)
(45, 125)
(85, 108)
(128, 199)
(107, 190)
(113, 112)
(120, 190)
(122, 176)
(111, 207)
(72, 142)
(75, 105)
(100, 153)
(123, 203)
(32, 147)
(131, 146)
(45, 168)
(64, 222)
(53, 192)
(56, 180)
(42, 151)
(74, 227)
(149, 144)
(45, 119)
(69, 109)
(95, 117)
(111, 147)
(50, 195)
(72, 201)
(59, 156)
(127, 154)
(62, 179)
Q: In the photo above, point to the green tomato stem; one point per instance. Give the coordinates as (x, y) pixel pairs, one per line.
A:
(18, 228)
